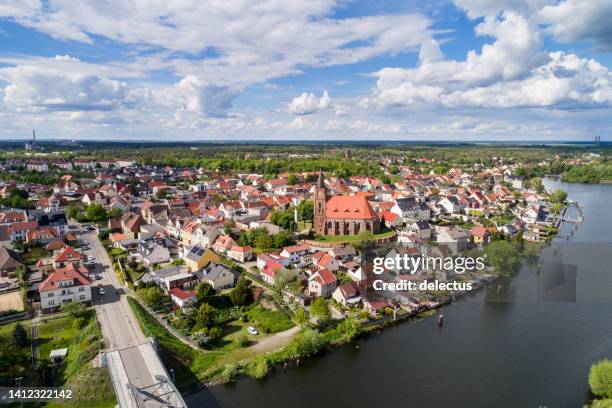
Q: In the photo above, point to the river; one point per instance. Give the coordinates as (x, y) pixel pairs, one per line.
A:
(507, 347)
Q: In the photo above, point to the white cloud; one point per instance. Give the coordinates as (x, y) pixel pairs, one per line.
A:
(579, 20)
(307, 103)
(49, 89)
(244, 41)
(301, 123)
(512, 71)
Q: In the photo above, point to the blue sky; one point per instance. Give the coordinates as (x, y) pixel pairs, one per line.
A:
(317, 69)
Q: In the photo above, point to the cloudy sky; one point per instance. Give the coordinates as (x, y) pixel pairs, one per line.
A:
(306, 69)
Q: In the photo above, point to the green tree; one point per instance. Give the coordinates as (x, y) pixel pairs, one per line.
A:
(320, 309)
(558, 196)
(96, 212)
(20, 337)
(204, 292)
(305, 210)
(292, 179)
(503, 256)
(205, 316)
(152, 296)
(75, 309)
(600, 378)
(242, 294)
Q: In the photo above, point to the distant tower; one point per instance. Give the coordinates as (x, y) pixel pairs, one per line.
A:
(320, 201)
(31, 145)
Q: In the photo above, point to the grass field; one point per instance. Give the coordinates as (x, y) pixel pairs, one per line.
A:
(269, 321)
(55, 334)
(354, 238)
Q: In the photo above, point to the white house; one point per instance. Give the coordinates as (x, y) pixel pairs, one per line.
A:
(69, 284)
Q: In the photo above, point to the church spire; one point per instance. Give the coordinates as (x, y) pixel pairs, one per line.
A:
(320, 182)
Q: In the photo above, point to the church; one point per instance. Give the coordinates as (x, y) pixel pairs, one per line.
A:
(342, 215)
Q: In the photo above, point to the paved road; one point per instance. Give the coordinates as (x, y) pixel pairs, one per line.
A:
(119, 325)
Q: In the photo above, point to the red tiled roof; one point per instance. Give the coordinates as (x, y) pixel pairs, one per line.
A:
(349, 207)
(182, 294)
(67, 254)
(76, 275)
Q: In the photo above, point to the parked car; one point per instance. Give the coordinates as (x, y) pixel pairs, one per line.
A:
(252, 330)
(99, 277)
(101, 291)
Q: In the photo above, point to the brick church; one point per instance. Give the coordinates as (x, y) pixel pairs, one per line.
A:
(342, 215)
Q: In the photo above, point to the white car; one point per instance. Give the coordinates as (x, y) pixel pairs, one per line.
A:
(101, 291)
(252, 330)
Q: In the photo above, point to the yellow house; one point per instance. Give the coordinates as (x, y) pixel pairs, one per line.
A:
(197, 258)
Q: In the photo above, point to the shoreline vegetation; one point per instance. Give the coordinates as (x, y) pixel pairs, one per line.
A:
(199, 368)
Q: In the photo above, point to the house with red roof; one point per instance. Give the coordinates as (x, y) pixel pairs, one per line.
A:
(182, 298)
(322, 283)
(347, 295)
(68, 255)
(323, 259)
(64, 285)
(241, 253)
(270, 270)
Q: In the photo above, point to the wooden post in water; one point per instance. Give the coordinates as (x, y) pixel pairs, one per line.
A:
(440, 319)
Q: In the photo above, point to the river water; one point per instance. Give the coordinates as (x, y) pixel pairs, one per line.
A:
(512, 346)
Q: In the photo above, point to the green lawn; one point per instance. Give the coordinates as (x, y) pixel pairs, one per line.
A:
(269, 321)
(55, 334)
(354, 238)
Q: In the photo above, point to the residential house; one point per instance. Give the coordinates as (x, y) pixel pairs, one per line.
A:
(182, 298)
(456, 238)
(241, 253)
(67, 256)
(410, 209)
(324, 260)
(64, 285)
(197, 258)
(8, 263)
(297, 254)
(217, 275)
(223, 243)
(347, 295)
(131, 223)
(322, 283)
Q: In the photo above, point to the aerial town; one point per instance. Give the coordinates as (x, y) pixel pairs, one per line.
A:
(234, 263)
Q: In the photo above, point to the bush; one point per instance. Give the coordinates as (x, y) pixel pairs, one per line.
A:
(600, 378)
(230, 372)
(241, 340)
(309, 342)
(79, 323)
(257, 368)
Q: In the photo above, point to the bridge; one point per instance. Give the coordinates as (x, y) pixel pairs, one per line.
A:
(138, 388)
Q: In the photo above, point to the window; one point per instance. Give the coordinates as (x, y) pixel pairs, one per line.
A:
(81, 289)
(50, 294)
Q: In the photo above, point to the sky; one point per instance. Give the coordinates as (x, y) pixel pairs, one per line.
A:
(479, 70)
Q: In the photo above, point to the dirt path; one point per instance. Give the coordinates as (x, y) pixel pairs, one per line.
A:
(275, 341)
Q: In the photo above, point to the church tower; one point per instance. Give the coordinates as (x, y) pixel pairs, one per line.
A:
(320, 201)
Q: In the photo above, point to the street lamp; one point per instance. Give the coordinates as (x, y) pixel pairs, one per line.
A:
(18, 379)
(172, 372)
